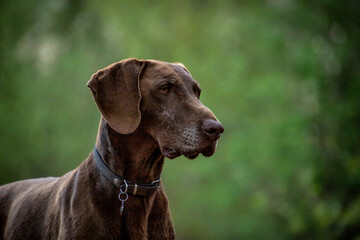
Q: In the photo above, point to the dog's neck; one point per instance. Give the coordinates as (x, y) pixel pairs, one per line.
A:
(135, 156)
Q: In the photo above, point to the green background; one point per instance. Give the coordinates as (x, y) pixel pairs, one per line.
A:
(282, 76)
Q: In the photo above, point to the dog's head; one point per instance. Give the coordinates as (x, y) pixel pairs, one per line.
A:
(160, 98)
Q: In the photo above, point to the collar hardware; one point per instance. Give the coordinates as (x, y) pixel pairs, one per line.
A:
(126, 187)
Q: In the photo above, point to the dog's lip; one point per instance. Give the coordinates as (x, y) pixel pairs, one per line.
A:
(170, 152)
(206, 151)
(209, 150)
(191, 155)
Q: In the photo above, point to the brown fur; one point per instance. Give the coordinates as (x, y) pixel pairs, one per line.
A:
(150, 109)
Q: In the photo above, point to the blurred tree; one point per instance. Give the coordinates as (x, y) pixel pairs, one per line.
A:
(338, 124)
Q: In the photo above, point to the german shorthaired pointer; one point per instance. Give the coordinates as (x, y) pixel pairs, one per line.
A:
(149, 110)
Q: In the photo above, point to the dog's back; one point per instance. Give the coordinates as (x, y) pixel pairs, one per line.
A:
(24, 207)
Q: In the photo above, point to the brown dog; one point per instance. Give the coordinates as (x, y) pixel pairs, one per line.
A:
(150, 109)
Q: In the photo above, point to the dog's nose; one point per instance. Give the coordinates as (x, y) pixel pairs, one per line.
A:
(213, 128)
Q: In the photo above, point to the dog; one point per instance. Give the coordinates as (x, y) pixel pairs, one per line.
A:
(149, 110)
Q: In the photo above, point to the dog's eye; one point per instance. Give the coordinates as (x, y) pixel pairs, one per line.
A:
(165, 89)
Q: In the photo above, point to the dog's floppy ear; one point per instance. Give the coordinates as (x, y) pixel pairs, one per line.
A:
(116, 91)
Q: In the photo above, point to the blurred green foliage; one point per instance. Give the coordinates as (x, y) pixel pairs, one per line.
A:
(282, 76)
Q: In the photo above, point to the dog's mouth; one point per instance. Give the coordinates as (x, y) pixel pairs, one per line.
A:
(171, 153)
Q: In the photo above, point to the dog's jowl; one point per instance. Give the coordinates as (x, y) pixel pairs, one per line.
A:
(149, 110)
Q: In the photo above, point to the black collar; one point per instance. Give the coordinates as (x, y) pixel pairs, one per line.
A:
(125, 186)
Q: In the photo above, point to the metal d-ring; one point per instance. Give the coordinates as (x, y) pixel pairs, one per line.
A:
(123, 196)
(126, 187)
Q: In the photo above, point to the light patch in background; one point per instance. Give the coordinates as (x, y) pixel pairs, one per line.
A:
(43, 52)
